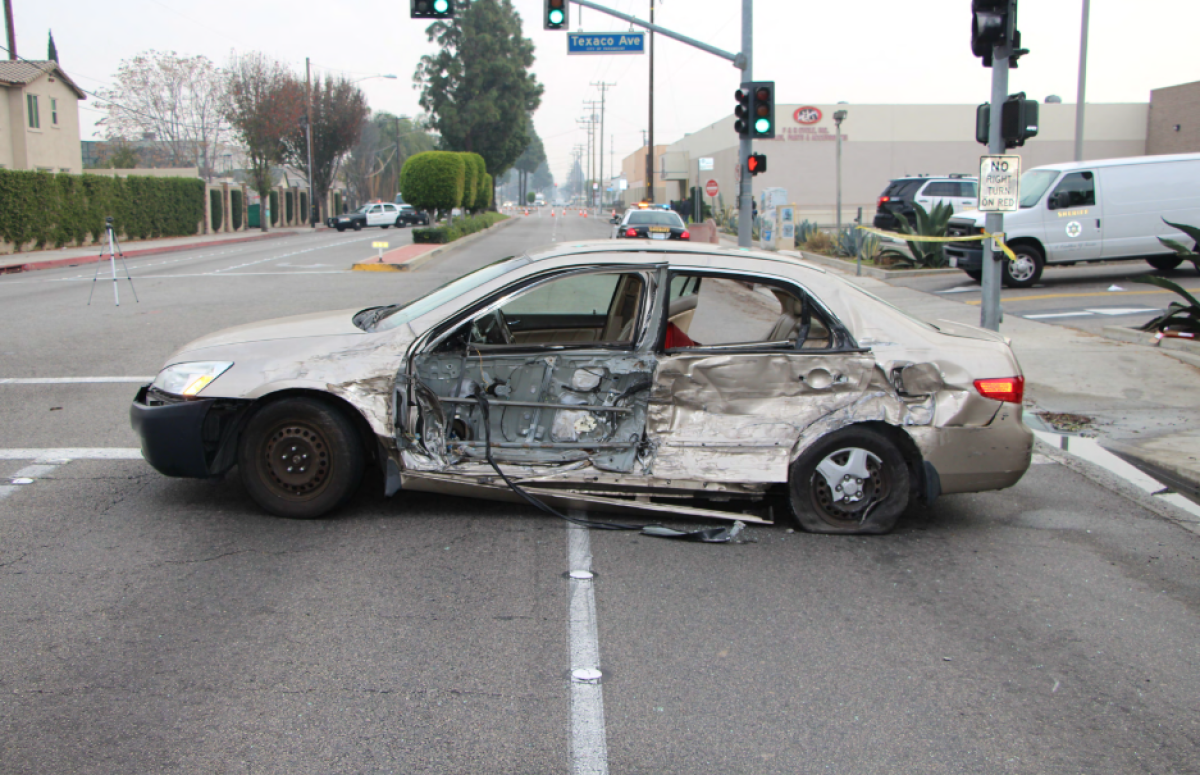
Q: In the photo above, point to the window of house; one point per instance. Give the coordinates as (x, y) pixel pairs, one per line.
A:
(31, 105)
(54, 111)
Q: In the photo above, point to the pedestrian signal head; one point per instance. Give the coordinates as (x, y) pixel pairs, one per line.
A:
(756, 163)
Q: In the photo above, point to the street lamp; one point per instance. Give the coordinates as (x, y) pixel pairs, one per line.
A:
(838, 117)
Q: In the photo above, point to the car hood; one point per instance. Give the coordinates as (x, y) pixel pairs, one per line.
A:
(336, 323)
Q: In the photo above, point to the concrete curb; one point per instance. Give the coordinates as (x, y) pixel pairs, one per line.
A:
(412, 264)
(1185, 350)
(30, 266)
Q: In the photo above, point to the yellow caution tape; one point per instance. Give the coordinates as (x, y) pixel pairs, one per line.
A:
(970, 238)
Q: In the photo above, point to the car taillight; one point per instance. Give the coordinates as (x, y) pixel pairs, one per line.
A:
(883, 199)
(1010, 389)
(631, 233)
(685, 235)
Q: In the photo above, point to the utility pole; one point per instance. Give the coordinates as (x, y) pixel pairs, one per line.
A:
(650, 144)
(312, 201)
(1079, 99)
(12, 31)
(591, 118)
(398, 155)
(603, 88)
(745, 146)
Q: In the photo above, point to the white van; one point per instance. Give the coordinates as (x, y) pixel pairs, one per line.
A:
(1106, 210)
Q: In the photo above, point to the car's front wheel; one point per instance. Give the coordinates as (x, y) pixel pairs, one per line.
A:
(358, 225)
(300, 458)
(385, 226)
(1164, 263)
(852, 481)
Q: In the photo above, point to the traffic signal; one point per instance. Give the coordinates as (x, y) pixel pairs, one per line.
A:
(762, 109)
(741, 113)
(432, 9)
(993, 23)
(1018, 121)
(756, 163)
(555, 15)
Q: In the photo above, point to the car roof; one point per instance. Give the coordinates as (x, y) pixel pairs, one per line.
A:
(1087, 165)
(936, 177)
(642, 252)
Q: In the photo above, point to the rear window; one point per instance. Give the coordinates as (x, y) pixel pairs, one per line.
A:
(942, 189)
(902, 189)
(644, 217)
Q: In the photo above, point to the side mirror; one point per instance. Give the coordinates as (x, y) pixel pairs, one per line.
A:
(614, 221)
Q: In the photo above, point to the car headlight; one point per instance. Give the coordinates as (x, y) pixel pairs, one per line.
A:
(188, 379)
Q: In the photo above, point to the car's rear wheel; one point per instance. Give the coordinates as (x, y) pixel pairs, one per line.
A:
(341, 228)
(300, 458)
(976, 276)
(1026, 270)
(852, 481)
(386, 226)
(1164, 263)
(358, 225)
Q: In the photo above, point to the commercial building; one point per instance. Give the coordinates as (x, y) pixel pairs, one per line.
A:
(881, 142)
(39, 118)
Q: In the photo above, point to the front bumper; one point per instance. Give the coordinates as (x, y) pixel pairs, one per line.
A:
(967, 259)
(190, 438)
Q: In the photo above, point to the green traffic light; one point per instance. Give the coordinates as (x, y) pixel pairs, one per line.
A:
(556, 16)
(441, 6)
(762, 126)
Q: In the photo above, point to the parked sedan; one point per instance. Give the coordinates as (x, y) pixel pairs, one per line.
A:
(411, 216)
(381, 214)
(650, 224)
(660, 378)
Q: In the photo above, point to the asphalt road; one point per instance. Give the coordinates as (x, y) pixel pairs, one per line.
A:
(167, 626)
(1085, 296)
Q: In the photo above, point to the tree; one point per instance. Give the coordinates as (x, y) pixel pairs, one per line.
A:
(339, 111)
(434, 180)
(478, 89)
(265, 103)
(528, 162)
(51, 49)
(121, 157)
(176, 100)
(372, 168)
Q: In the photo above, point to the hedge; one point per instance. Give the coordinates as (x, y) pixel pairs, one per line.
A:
(214, 205)
(235, 208)
(461, 228)
(433, 180)
(477, 201)
(47, 209)
(486, 193)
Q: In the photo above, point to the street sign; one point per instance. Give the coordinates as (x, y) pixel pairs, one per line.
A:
(706, 163)
(999, 184)
(711, 188)
(606, 43)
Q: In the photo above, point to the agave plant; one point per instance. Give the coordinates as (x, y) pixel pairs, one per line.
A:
(1180, 249)
(804, 230)
(925, 255)
(1184, 318)
(853, 242)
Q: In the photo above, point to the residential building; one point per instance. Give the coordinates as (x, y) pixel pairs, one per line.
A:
(39, 118)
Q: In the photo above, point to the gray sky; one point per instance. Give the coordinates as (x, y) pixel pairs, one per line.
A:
(859, 51)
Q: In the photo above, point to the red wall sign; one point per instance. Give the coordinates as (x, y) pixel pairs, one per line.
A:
(807, 115)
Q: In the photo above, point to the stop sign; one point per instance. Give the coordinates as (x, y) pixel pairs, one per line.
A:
(711, 188)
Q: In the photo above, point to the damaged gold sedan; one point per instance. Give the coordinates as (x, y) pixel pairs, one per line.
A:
(672, 379)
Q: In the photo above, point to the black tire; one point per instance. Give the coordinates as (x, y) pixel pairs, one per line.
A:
(883, 494)
(300, 458)
(386, 226)
(1026, 270)
(399, 224)
(1164, 263)
(341, 228)
(976, 276)
(358, 225)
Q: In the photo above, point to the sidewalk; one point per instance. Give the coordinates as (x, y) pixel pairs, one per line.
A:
(49, 259)
(1143, 403)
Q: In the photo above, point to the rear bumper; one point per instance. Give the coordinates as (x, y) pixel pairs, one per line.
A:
(976, 459)
(195, 439)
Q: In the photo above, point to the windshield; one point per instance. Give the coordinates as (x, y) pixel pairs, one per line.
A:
(1035, 183)
(399, 314)
(659, 219)
(363, 209)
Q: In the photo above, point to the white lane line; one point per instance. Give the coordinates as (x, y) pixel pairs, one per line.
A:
(289, 255)
(962, 289)
(589, 744)
(7, 490)
(1123, 311)
(32, 472)
(64, 454)
(71, 380)
(1058, 315)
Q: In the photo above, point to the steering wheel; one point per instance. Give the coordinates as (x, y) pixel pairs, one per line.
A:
(491, 329)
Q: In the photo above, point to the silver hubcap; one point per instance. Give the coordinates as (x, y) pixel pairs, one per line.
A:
(845, 473)
(1023, 268)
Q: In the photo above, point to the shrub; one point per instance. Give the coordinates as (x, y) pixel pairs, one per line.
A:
(933, 223)
(42, 209)
(471, 174)
(486, 192)
(433, 180)
(818, 242)
(235, 208)
(461, 228)
(214, 205)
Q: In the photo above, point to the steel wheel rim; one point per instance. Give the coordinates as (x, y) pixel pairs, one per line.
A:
(874, 489)
(297, 461)
(1023, 268)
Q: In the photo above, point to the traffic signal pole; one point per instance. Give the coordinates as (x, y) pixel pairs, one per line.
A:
(741, 60)
(990, 312)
